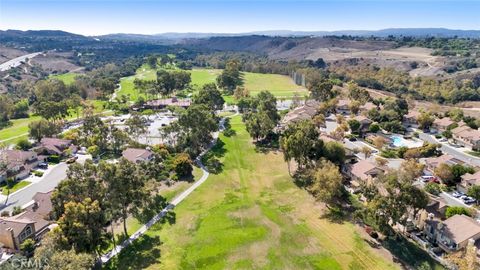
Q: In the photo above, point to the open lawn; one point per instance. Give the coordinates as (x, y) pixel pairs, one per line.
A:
(67, 78)
(202, 76)
(280, 86)
(19, 127)
(18, 185)
(127, 87)
(250, 216)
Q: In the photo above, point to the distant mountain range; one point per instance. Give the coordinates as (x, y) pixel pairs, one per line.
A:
(168, 37)
(414, 32)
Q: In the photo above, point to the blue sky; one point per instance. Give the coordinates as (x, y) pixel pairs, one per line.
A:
(92, 17)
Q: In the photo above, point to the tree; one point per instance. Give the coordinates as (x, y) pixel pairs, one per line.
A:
(27, 247)
(474, 192)
(42, 128)
(366, 151)
(192, 133)
(20, 109)
(447, 134)
(425, 120)
(354, 126)
(327, 183)
(136, 125)
(432, 188)
(152, 61)
(127, 189)
(321, 90)
(182, 165)
(356, 93)
(52, 110)
(210, 96)
(374, 128)
(379, 142)
(457, 210)
(458, 170)
(381, 161)
(354, 106)
(411, 169)
(51, 251)
(444, 171)
(6, 107)
(300, 143)
(23, 144)
(264, 117)
(241, 92)
(231, 77)
(10, 183)
(334, 152)
(82, 225)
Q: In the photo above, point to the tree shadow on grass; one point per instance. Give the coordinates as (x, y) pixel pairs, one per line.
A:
(211, 158)
(270, 143)
(140, 254)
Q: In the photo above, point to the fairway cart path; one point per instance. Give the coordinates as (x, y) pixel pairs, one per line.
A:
(105, 258)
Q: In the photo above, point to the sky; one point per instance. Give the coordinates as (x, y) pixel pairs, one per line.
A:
(96, 17)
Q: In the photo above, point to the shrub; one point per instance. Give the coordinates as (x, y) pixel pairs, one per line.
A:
(54, 159)
(457, 210)
(148, 112)
(17, 210)
(5, 213)
(24, 145)
(38, 173)
(433, 188)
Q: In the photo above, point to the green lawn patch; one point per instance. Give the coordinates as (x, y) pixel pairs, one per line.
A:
(67, 78)
(17, 186)
(280, 86)
(240, 219)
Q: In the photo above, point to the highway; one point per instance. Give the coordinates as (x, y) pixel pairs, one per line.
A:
(15, 62)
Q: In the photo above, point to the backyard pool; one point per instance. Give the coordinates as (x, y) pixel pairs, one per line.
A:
(399, 141)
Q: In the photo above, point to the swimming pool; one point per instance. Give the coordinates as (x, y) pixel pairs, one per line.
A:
(399, 141)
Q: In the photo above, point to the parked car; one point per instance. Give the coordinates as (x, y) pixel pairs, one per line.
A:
(443, 140)
(71, 160)
(43, 165)
(427, 178)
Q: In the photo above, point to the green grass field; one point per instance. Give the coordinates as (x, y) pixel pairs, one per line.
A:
(67, 78)
(250, 216)
(17, 186)
(19, 127)
(280, 86)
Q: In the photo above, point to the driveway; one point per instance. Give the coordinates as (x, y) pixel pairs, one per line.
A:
(47, 183)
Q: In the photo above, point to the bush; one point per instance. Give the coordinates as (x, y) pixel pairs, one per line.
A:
(433, 188)
(17, 210)
(38, 173)
(24, 145)
(54, 159)
(5, 213)
(148, 112)
(457, 210)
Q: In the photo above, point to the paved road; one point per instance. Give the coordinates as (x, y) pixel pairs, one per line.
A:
(15, 62)
(451, 150)
(48, 182)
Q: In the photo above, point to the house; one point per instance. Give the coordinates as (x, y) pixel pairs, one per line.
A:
(343, 106)
(433, 162)
(32, 223)
(163, 103)
(411, 119)
(368, 106)
(467, 137)
(452, 234)
(468, 181)
(137, 155)
(304, 112)
(39, 210)
(19, 163)
(363, 171)
(442, 124)
(55, 146)
(364, 123)
(14, 231)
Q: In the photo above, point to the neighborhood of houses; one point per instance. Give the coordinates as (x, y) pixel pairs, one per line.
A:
(430, 228)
